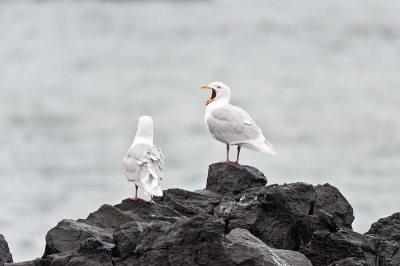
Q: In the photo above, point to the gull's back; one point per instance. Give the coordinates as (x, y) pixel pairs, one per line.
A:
(143, 164)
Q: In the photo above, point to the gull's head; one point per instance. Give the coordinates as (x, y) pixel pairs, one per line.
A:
(220, 92)
(145, 123)
(144, 133)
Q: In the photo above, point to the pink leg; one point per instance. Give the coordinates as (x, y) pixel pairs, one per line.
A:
(151, 201)
(227, 155)
(135, 198)
(237, 156)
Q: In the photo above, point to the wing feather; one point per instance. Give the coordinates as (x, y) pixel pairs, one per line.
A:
(144, 165)
(232, 125)
(144, 175)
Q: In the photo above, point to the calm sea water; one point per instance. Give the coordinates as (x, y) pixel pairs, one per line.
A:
(320, 78)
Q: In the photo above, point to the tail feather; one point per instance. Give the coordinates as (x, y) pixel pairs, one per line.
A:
(260, 144)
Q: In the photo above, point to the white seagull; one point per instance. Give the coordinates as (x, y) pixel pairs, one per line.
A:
(231, 124)
(144, 162)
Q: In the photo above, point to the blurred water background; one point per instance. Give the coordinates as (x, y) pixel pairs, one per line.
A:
(321, 78)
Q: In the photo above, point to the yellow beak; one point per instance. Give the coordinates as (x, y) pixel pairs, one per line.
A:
(213, 94)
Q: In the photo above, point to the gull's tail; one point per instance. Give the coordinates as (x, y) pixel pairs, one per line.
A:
(260, 144)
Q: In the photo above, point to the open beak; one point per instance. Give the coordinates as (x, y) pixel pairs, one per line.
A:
(213, 94)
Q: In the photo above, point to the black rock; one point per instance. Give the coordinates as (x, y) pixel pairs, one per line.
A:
(142, 211)
(278, 215)
(134, 238)
(327, 247)
(332, 201)
(68, 235)
(236, 220)
(109, 217)
(387, 232)
(5, 255)
(232, 179)
(95, 246)
(334, 243)
(189, 203)
(198, 240)
(387, 228)
(349, 262)
(194, 241)
(246, 249)
(90, 252)
(324, 220)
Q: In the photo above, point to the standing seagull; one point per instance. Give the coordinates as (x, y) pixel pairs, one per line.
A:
(144, 162)
(231, 124)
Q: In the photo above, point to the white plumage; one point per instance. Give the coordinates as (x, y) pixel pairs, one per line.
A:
(143, 163)
(231, 124)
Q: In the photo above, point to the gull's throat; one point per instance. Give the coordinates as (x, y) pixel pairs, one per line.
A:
(213, 95)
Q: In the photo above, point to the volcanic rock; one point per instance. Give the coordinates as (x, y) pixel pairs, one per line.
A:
(333, 202)
(232, 179)
(5, 255)
(278, 215)
(246, 249)
(386, 228)
(189, 203)
(235, 220)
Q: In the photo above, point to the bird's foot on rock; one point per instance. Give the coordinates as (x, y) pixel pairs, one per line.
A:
(150, 201)
(227, 161)
(135, 198)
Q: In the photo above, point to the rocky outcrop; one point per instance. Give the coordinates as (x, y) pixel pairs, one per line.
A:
(101, 225)
(332, 202)
(386, 232)
(386, 228)
(233, 179)
(246, 249)
(5, 255)
(159, 236)
(235, 220)
(277, 215)
(378, 247)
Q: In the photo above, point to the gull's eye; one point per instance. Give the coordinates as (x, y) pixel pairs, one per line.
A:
(218, 87)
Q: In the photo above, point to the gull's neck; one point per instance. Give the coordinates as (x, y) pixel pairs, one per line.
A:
(143, 137)
(217, 103)
(214, 105)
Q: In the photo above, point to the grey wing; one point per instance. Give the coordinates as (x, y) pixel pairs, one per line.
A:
(155, 164)
(145, 164)
(231, 124)
(133, 163)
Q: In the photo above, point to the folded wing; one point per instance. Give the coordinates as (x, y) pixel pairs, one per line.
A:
(144, 165)
(232, 125)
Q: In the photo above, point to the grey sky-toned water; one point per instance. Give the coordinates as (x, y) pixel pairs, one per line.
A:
(320, 78)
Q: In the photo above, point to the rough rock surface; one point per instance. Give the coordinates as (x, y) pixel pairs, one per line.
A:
(5, 255)
(386, 231)
(349, 262)
(232, 179)
(387, 228)
(190, 203)
(332, 201)
(278, 215)
(326, 247)
(235, 220)
(377, 247)
(246, 249)
(68, 235)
